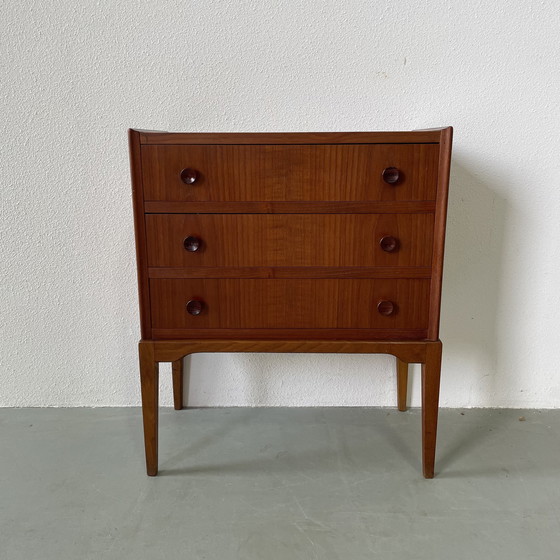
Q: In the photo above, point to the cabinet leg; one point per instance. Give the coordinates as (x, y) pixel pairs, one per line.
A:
(149, 382)
(402, 384)
(431, 370)
(177, 369)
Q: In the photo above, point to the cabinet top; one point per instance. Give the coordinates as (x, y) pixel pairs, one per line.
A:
(426, 136)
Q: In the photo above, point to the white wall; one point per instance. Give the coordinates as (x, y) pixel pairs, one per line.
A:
(76, 75)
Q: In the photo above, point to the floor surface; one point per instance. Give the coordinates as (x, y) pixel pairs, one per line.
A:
(277, 483)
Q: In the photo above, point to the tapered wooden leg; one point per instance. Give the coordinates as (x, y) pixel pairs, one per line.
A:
(402, 384)
(149, 381)
(177, 369)
(431, 370)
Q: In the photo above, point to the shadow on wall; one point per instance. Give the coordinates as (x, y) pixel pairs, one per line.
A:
(470, 303)
(473, 271)
(256, 379)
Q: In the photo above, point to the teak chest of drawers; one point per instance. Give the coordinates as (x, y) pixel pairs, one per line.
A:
(290, 242)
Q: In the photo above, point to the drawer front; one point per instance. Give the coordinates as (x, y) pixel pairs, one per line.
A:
(346, 172)
(184, 240)
(289, 304)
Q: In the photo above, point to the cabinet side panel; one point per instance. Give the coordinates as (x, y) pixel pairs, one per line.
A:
(140, 231)
(439, 231)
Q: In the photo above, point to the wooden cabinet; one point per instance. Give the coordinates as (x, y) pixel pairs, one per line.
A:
(290, 242)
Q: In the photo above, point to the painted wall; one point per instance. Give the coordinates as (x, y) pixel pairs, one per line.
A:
(76, 75)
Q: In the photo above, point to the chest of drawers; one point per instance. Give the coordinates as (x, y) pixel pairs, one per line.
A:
(290, 242)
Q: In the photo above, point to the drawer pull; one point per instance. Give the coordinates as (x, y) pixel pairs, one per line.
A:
(388, 243)
(192, 243)
(189, 176)
(386, 308)
(391, 175)
(195, 307)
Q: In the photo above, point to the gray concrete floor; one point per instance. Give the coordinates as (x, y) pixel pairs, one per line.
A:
(335, 483)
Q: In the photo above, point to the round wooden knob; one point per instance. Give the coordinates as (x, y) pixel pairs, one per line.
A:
(391, 175)
(192, 243)
(195, 307)
(389, 244)
(189, 176)
(386, 308)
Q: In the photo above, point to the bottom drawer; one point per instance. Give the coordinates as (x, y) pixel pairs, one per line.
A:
(287, 304)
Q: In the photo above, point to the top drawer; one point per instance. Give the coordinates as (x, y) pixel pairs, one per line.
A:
(329, 172)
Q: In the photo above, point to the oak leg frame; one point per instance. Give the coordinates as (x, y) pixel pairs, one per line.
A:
(427, 353)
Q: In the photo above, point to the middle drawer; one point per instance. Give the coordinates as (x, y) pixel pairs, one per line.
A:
(183, 240)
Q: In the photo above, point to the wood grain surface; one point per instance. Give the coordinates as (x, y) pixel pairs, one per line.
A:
(140, 233)
(444, 167)
(290, 172)
(407, 351)
(390, 334)
(291, 272)
(285, 251)
(289, 304)
(238, 240)
(316, 207)
(375, 137)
